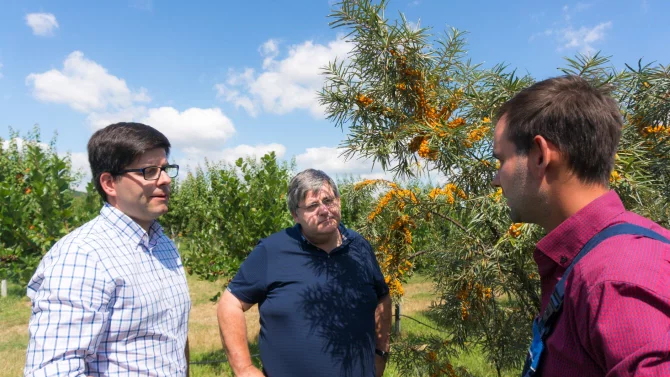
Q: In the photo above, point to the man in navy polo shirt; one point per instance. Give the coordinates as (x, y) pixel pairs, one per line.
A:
(324, 306)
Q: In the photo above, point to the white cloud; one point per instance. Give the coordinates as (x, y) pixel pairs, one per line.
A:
(98, 120)
(584, 37)
(257, 151)
(567, 36)
(20, 143)
(194, 127)
(43, 24)
(331, 161)
(81, 166)
(196, 157)
(87, 87)
(1, 75)
(233, 96)
(284, 85)
(269, 50)
(84, 85)
(80, 162)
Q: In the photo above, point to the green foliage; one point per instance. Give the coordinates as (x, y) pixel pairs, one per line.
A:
(355, 204)
(36, 201)
(414, 103)
(87, 205)
(219, 214)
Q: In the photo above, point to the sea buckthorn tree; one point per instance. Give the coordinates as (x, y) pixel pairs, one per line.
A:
(413, 103)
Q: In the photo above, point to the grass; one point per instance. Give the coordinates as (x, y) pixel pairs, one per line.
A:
(204, 334)
(14, 316)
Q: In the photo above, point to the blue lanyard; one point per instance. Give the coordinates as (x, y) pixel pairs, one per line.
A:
(542, 326)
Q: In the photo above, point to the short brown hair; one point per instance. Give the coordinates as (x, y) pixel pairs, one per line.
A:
(583, 121)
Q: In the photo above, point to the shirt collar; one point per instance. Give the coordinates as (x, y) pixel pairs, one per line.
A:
(129, 228)
(562, 244)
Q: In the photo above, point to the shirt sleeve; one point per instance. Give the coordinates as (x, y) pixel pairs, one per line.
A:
(381, 288)
(250, 281)
(629, 329)
(71, 295)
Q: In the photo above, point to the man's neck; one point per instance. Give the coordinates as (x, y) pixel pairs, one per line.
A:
(146, 225)
(569, 199)
(326, 244)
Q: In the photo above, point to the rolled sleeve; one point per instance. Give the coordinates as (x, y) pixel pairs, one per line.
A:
(71, 297)
(249, 283)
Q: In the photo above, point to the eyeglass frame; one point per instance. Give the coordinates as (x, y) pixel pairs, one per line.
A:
(143, 171)
(318, 205)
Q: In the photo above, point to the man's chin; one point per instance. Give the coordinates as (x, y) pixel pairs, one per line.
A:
(328, 226)
(159, 211)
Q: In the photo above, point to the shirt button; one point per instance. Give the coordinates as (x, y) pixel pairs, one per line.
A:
(564, 259)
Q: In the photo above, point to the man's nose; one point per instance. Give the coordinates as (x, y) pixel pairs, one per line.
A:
(496, 181)
(163, 178)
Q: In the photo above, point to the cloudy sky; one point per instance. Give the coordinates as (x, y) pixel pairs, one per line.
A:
(229, 79)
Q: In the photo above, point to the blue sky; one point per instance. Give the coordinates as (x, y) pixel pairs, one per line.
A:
(229, 79)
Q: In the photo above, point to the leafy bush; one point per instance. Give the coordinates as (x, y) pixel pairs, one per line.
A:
(37, 203)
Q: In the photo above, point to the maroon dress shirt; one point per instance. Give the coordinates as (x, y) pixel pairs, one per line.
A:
(616, 310)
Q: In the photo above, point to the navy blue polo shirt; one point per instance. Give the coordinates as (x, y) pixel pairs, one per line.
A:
(317, 309)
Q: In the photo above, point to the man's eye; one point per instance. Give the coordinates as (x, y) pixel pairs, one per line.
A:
(312, 207)
(327, 202)
(151, 171)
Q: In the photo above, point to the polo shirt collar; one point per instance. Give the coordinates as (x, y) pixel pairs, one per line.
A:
(563, 243)
(127, 227)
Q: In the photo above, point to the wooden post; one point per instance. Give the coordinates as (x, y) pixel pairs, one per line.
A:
(396, 328)
(3, 288)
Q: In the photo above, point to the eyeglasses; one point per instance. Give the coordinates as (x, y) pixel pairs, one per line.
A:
(152, 173)
(329, 203)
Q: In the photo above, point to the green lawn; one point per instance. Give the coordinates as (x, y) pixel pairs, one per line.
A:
(204, 336)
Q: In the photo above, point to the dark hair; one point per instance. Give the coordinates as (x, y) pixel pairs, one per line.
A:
(583, 121)
(309, 180)
(116, 146)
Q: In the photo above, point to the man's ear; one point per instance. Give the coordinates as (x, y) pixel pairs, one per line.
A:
(542, 154)
(108, 184)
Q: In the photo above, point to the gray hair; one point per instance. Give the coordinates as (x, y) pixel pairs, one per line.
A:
(310, 180)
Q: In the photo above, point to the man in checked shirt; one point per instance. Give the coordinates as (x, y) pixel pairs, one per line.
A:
(110, 298)
(556, 142)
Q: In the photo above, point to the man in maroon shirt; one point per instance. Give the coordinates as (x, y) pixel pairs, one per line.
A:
(556, 143)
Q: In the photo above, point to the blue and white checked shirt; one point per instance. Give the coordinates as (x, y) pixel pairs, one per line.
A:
(109, 299)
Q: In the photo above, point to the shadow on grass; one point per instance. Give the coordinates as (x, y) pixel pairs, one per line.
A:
(469, 359)
(216, 362)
